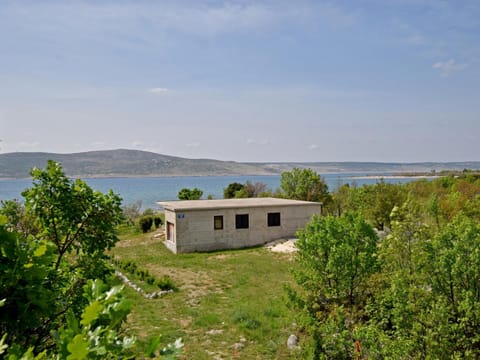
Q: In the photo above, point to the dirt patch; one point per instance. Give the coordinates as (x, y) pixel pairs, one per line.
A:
(196, 284)
(282, 245)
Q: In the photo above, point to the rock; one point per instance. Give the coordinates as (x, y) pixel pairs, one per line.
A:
(214, 332)
(292, 342)
(238, 346)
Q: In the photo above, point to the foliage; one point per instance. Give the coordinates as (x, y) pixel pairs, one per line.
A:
(190, 194)
(43, 272)
(420, 299)
(336, 256)
(157, 221)
(257, 189)
(29, 295)
(96, 335)
(71, 215)
(145, 223)
(17, 217)
(247, 190)
(230, 191)
(304, 184)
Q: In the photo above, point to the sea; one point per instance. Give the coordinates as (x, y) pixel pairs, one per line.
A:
(149, 190)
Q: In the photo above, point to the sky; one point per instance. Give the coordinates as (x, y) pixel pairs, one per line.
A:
(357, 80)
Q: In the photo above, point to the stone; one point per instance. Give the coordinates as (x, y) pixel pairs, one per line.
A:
(292, 342)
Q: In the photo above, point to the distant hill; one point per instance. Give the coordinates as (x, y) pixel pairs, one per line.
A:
(124, 163)
(113, 163)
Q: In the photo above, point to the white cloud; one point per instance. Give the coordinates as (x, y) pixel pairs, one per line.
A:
(448, 67)
(158, 90)
(312, 146)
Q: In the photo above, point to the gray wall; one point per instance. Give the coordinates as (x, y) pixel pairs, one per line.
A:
(194, 229)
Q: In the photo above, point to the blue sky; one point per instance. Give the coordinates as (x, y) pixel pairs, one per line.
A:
(359, 80)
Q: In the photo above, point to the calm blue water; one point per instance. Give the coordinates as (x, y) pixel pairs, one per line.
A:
(149, 190)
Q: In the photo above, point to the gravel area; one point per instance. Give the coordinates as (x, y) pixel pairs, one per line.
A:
(282, 245)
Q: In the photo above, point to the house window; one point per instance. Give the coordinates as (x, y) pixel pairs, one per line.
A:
(218, 222)
(273, 219)
(241, 221)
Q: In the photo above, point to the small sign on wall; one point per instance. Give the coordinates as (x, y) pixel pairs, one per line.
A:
(180, 216)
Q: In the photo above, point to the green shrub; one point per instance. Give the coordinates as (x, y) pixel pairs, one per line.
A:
(166, 283)
(157, 220)
(146, 223)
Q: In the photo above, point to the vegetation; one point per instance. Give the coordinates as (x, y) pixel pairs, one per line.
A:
(145, 223)
(304, 184)
(190, 194)
(217, 308)
(137, 274)
(247, 190)
(390, 271)
(414, 293)
(53, 269)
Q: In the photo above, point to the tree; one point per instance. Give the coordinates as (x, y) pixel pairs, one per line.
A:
(304, 184)
(17, 217)
(230, 191)
(256, 189)
(335, 258)
(52, 304)
(384, 198)
(131, 212)
(190, 194)
(42, 286)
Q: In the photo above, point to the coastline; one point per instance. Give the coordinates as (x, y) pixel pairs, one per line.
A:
(393, 177)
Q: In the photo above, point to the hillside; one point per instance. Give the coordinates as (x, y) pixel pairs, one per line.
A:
(124, 163)
(111, 163)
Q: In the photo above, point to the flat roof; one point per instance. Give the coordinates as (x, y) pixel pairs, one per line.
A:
(231, 203)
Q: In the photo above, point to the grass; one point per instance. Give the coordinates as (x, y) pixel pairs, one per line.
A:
(230, 304)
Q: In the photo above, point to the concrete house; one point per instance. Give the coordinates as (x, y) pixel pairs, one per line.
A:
(206, 225)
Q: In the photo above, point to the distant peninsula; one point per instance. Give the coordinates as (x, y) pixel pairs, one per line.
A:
(135, 163)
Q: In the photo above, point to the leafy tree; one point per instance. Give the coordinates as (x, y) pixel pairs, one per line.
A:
(43, 274)
(71, 219)
(247, 190)
(381, 198)
(17, 217)
(422, 296)
(190, 194)
(304, 184)
(453, 263)
(335, 258)
(71, 215)
(29, 297)
(230, 191)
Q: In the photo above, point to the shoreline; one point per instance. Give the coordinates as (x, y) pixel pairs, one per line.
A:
(379, 177)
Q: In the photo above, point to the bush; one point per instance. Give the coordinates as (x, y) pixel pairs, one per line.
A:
(166, 283)
(146, 223)
(157, 220)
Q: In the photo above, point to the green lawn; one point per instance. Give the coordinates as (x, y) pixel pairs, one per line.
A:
(230, 304)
